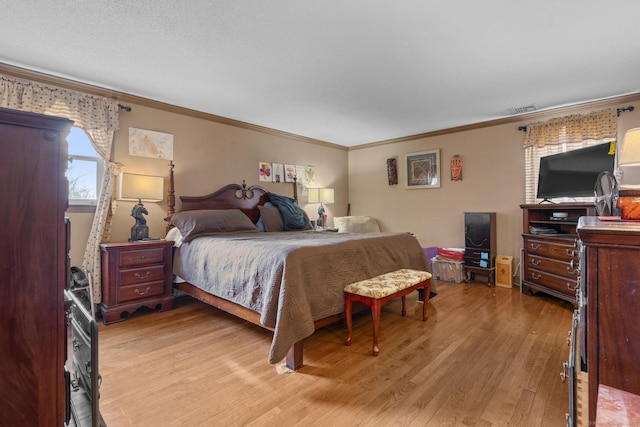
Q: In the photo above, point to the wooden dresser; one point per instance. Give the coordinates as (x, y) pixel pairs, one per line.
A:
(612, 265)
(551, 261)
(34, 265)
(135, 275)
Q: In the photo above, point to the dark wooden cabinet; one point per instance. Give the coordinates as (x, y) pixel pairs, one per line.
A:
(135, 275)
(551, 260)
(480, 244)
(612, 266)
(34, 269)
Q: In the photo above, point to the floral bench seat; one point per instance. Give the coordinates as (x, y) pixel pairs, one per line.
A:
(377, 291)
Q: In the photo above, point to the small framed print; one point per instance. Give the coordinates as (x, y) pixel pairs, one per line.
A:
(423, 169)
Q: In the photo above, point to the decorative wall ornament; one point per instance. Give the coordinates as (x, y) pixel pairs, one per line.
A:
(392, 171)
(148, 143)
(423, 169)
(456, 167)
(264, 174)
(289, 173)
(278, 172)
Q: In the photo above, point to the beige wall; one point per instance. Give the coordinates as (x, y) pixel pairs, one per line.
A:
(209, 155)
(493, 181)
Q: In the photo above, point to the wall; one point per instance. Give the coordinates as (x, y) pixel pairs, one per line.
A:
(493, 181)
(207, 156)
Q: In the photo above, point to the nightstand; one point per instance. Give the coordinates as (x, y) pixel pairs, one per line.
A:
(135, 275)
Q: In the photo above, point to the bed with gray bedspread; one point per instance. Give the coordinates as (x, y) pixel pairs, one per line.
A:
(292, 278)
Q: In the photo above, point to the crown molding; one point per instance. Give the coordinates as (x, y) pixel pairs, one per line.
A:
(521, 119)
(126, 98)
(123, 97)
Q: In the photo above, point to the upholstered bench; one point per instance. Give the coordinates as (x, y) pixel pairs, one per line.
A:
(377, 291)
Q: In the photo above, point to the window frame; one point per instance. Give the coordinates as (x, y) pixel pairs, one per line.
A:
(86, 205)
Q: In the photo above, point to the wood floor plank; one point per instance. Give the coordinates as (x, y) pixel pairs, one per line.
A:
(485, 357)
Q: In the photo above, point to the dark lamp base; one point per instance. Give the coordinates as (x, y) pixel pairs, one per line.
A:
(139, 232)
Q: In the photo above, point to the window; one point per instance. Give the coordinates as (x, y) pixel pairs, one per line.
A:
(84, 171)
(532, 167)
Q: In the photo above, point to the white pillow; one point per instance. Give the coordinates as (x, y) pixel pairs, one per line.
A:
(175, 235)
(356, 224)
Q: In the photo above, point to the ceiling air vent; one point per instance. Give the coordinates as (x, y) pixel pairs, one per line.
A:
(521, 110)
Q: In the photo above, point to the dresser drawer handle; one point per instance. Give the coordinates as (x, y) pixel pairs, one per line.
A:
(572, 270)
(536, 262)
(137, 291)
(535, 246)
(536, 276)
(564, 374)
(573, 286)
(142, 257)
(139, 276)
(571, 252)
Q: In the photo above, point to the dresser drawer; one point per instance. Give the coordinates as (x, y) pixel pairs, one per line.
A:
(569, 269)
(138, 257)
(565, 252)
(136, 276)
(560, 284)
(142, 291)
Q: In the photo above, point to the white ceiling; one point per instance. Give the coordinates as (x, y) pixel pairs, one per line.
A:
(348, 72)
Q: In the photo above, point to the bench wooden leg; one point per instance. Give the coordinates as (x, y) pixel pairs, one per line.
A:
(427, 291)
(347, 315)
(404, 307)
(375, 313)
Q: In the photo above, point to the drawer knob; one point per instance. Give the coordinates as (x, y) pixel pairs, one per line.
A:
(535, 246)
(536, 262)
(142, 257)
(536, 276)
(571, 252)
(140, 276)
(137, 291)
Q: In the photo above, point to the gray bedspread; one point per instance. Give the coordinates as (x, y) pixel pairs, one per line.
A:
(292, 278)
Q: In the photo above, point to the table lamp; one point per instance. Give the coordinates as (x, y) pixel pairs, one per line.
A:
(321, 195)
(136, 187)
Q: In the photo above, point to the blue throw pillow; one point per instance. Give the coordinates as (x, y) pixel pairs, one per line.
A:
(292, 215)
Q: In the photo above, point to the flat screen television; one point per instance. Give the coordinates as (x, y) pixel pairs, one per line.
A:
(573, 173)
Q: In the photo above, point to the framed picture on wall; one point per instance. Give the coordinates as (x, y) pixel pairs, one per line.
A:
(423, 169)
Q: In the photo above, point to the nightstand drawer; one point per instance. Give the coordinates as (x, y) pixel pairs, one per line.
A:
(143, 291)
(136, 258)
(151, 273)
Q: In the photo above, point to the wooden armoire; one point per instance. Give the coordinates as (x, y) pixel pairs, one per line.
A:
(34, 269)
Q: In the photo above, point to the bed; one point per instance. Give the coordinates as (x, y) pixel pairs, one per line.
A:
(290, 282)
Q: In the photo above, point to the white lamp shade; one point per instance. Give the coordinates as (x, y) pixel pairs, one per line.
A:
(320, 195)
(629, 159)
(630, 154)
(140, 187)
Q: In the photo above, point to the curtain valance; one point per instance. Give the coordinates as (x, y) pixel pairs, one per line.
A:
(596, 125)
(87, 111)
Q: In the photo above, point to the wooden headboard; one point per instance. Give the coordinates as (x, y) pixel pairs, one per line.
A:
(231, 196)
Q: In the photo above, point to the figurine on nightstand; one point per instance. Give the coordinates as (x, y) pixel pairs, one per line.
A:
(139, 230)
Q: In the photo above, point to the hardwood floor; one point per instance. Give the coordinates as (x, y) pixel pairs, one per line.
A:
(486, 356)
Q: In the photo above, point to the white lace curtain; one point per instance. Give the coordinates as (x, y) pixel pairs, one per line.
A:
(564, 134)
(98, 116)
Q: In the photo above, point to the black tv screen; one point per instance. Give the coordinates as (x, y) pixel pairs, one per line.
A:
(573, 173)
